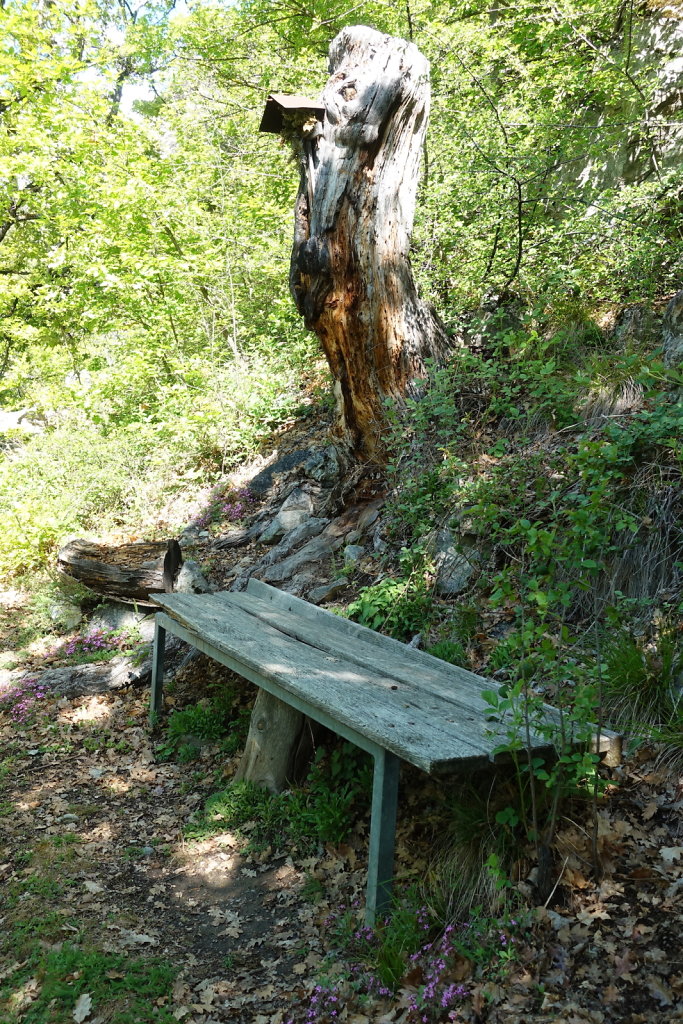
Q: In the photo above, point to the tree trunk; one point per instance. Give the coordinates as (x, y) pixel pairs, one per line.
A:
(272, 752)
(129, 572)
(350, 269)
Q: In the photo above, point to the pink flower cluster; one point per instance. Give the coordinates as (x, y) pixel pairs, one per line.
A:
(96, 641)
(227, 505)
(20, 700)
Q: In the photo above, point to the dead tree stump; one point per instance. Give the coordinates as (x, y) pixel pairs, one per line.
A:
(350, 271)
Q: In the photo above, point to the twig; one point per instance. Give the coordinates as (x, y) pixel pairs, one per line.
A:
(50, 764)
(559, 879)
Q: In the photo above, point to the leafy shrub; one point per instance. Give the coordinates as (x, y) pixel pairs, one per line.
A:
(216, 718)
(400, 607)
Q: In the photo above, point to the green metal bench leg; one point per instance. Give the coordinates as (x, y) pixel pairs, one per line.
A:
(382, 834)
(156, 695)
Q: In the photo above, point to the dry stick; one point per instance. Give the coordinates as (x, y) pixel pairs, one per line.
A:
(50, 764)
(559, 879)
(529, 756)
(552, 820)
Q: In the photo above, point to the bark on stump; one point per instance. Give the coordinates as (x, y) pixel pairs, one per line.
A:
(350, 271)
(277, 733)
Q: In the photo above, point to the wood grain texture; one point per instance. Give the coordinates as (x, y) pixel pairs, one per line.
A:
(450, 693)
(386, 712)
(127, 572)
(350, 271)
(366, 646)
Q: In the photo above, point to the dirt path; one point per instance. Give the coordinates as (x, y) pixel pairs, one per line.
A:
(104, 824)
(94, 863)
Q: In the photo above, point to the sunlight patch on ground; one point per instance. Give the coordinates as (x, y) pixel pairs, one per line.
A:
(93, 709)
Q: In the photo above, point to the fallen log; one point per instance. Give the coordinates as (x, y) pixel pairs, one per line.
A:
(126, 572)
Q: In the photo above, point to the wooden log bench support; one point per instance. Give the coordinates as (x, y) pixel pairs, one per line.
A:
(392, 701)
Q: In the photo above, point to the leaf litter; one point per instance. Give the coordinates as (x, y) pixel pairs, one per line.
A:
(105, 823)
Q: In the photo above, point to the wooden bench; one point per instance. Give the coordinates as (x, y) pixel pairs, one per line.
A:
(395, 702)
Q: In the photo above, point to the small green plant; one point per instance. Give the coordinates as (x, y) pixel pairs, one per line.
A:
(323, 810)
(451, 651)
(213, 719)
(643, 682)
(400, 607)
(98, 645)
(312, 890)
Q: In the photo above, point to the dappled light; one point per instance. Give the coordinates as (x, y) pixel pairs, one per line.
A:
(341, 489)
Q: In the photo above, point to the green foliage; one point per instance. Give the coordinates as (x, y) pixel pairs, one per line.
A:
(323, 810)
(217, 718)
(452, 652)
(128, 990)
(400, 607)
(643, 681)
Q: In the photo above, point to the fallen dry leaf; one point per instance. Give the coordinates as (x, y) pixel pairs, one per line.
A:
(82, 1008)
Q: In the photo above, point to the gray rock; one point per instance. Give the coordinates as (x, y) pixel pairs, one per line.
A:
(299, 584)
(314, 551)
(66, 615)
(326, 591)
(234, 539)
(310, 528)
(21, 419)
(81, 680)
(191, 580)
(453, 569)
(263, 481)
(115, 616)
(378, 542)
(192, 535)
(240, 583)
(352, 552)
(367, 517)
(672, 331)
(323, 466)
(353, 536)
(294, 511)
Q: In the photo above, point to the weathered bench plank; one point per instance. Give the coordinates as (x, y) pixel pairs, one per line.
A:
(372, 705)
(366, 647)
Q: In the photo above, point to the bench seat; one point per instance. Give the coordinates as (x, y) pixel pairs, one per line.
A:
(395, 702)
